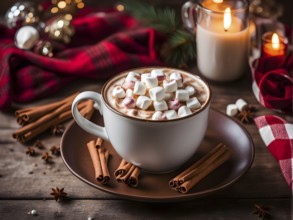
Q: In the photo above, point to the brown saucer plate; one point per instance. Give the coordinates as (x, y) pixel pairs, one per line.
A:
(154, 187)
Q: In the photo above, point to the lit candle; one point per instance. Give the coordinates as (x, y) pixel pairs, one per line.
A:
(273, 45)
(222, 45)
(227, 19)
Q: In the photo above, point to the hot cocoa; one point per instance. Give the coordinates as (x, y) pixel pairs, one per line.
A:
(157, 93)
(155, 118)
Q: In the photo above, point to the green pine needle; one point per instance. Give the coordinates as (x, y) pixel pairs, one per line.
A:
(179, 46)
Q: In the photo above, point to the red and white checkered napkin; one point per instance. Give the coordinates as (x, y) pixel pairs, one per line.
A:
(277, 135)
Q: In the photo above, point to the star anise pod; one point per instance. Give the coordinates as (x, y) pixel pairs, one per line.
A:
(31, 151)
(38, 144)
(47, 158)
(245, 116)
(261, 211)
(58, 130)
(55, 150)
(58, 194)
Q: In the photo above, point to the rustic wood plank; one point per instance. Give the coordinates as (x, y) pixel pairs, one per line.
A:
(19, 171)
(119, 209)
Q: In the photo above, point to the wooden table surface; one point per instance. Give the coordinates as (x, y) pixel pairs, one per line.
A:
(26, 181)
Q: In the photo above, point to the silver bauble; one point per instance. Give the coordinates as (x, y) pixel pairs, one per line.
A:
(26, 37)
(22, 13)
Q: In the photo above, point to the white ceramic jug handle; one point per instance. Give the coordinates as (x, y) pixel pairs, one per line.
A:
(187, 13)
(84, 123)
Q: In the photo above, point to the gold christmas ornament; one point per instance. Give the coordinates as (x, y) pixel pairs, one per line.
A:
(66, 6)
(60, 28)
(22, 13)
(44, 48)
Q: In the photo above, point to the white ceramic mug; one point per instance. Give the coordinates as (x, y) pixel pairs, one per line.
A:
(155, 146)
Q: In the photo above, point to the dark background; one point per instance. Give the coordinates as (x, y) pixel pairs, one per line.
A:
(287, 17)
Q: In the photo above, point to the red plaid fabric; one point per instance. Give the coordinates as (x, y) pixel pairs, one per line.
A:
(273, 82)
(277, 135)
(105, 43)
(272, 76)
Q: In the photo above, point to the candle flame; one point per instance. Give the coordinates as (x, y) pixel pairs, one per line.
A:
(275, 41)
(227, 19)
(218, 1)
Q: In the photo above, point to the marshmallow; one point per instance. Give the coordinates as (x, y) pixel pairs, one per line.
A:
(157, 93)
(128, 85)
(160, 105)
(26, 37)
(143, 102)
(144, 76)
(178, 78)
(159, 74)
(158, 115)
(170, 85)
(171, 114)
(182, 95)
(168, 96)
(132, 77)
(231, 110)
(118, 92)
(128, 102)
(184, 111)
(139, 88)
(193, 103)
(190, 89)
(151, 82)
(241, 104)
(203, 97)
(174, 104)
(129, 93)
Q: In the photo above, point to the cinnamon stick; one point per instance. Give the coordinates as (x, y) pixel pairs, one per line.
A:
(66, 106)
(204, 164)
(119, 169)
(99, 142)
(127, 173)
(35, 128)
(186, 186)
(99, 158)
(31, 114)
(200, 169)
(175, 181)
(104, 155)
(24, 137)
(124, 178)
(95, 160)
(133, 179)
(88, 111)
(124, 169)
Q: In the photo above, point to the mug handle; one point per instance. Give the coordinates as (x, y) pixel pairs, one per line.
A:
(84, 123)
(187, 13)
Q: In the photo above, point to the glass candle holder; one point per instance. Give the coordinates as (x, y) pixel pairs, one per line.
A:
(273, 44)
(222, 37)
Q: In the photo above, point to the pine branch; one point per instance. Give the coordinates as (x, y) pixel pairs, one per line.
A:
(163, 20)
(182, 48)
(179, 47)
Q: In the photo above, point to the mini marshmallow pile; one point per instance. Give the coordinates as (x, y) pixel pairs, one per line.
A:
(239, 106)
(153, 91)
